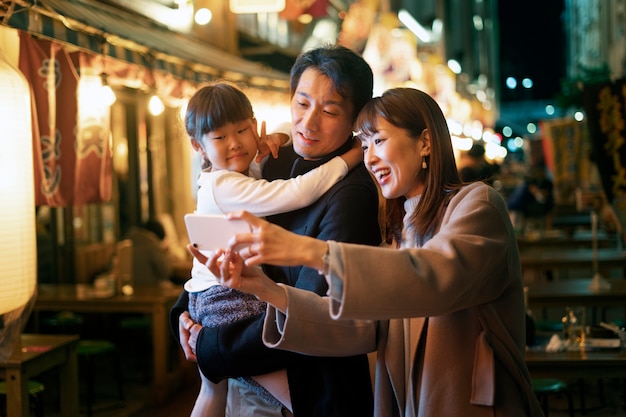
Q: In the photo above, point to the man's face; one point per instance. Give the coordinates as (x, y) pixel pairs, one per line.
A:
(321, 118)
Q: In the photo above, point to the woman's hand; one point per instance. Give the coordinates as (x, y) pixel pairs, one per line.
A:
(271, 244)
(232, 272)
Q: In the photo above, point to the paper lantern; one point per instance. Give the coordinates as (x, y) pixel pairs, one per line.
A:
(18, 243)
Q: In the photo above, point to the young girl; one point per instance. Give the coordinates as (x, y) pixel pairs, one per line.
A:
(221, 125)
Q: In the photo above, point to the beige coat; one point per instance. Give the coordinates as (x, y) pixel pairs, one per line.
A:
(462, 352)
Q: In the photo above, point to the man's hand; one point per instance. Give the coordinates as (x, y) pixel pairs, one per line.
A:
(188, 331)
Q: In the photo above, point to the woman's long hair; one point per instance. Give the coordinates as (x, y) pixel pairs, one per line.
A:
(413, 110)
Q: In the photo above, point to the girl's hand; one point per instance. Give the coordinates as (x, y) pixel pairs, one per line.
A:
(269, 143)
(354, 156)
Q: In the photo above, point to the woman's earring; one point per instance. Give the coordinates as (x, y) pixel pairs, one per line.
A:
(424, 164)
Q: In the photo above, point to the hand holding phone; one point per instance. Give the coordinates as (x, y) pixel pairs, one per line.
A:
(212, 231)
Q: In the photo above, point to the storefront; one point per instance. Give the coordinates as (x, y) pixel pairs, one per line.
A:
(103, 168)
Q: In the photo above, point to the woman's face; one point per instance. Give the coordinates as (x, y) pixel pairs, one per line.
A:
(395, 159)
(231, 147)
(321, 118)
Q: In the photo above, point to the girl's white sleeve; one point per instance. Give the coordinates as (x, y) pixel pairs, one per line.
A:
(233, 191)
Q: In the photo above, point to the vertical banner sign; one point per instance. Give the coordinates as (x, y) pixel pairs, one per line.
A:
(605, 105)
(93, 180)
(53, 81)
(566, 151)
(71, 154)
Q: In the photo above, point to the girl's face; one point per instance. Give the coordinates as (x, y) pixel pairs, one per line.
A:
(395, 159)
(231, 147)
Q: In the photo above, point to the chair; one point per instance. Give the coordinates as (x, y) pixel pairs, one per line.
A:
(544, 387)
(35, 391)
(88, 351)
(66, 322)
(134, 338)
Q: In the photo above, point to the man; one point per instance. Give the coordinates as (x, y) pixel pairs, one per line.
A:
(328, 86)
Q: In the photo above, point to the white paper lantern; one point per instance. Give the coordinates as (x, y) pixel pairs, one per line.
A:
(18, 244)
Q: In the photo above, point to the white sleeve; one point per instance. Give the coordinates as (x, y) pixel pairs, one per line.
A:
(285, 129)
(233, 191)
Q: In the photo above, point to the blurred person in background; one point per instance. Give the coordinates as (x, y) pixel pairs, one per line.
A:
(474, 166)
(531, 202)
(152, 263)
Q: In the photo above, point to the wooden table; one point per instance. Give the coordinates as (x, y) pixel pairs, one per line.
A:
(573, 292)
(153, 301)
(39, 353)
(551, 239)
(576, 292)
(571, 258)
(577, 364)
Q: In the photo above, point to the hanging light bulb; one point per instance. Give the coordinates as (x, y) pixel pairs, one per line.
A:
(155, 105)
(107, 94)
(182, 112)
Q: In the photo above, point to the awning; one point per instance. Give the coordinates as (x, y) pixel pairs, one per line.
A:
(132, 38)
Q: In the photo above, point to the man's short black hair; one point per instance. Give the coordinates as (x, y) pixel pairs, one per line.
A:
(349, 72)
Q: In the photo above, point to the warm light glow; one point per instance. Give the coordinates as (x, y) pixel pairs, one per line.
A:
(107, 94)
(455, 66)
(18, 245)
(93, 98)
(305, 18)
(182, 111)
(203, 16)
(156, 106)
(461, 144)
(495, 152)
(256, 6)
(324, 32)
(414, 26)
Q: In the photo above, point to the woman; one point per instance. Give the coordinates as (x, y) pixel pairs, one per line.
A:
(448, 296)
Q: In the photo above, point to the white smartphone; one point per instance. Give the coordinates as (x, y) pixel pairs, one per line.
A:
(212, 231)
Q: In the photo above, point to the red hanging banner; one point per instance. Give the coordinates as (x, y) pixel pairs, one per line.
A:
(93, 182)
(72, 155)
